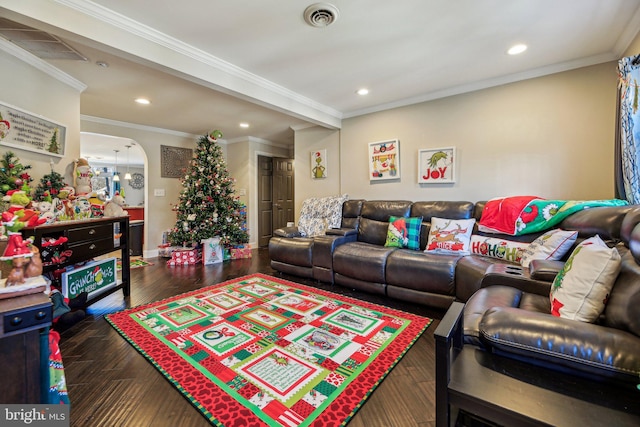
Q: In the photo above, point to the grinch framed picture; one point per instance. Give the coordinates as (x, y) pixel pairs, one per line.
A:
(437, 165)
(27, 131)
(319, 164)
(384, 160)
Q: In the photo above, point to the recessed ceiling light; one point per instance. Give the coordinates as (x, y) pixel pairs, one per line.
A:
(516, 49)
(102, 64)
(363, 91)
(143, 101)
(244, 125)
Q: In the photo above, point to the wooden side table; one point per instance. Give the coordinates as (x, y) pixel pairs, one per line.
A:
(24, 348)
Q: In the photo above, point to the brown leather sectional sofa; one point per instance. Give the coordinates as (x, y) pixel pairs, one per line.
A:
(508, 308)
(355, 256)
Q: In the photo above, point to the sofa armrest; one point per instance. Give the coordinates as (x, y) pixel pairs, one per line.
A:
(564, 344)
(546, 270)
(515, 276)
(341, 231)
(448, 336)
(287, 232)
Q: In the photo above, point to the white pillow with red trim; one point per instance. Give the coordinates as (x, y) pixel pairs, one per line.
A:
(492, 247)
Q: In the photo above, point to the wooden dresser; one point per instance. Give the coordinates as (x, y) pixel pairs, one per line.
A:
(88, 239)
(24, 348)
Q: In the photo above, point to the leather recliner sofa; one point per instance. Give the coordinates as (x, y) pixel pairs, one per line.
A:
(355, 256)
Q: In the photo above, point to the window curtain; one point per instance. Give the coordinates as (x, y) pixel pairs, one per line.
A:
(628, 131)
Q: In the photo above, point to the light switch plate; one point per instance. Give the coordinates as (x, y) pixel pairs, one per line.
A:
(158, 192)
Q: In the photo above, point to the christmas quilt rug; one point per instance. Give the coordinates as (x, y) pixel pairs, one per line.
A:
(260, 351)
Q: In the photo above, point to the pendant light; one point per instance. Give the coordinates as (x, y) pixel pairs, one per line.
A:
(127, 175)
(116, 178)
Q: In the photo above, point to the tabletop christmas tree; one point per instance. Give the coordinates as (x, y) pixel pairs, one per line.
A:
(208, 206)
(13, 174)
(49, 187)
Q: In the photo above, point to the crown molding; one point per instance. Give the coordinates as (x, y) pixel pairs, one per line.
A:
(45, 67)
(489, 83)
(257, 141)
(133, 27)
(102, 120)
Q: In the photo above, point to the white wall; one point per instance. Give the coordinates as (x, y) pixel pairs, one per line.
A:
(37, 92)
(551, 136)
(158, 212)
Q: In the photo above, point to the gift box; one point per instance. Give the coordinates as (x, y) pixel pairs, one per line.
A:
(212, 252)
(240, 251)
(165, 250)
(185, 256)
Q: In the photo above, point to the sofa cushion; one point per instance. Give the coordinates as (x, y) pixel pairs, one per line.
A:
(621, 311)
(581, 288)
(404, 232)
(497, 248)
(362, 261)
(450, 236)
(552, 245)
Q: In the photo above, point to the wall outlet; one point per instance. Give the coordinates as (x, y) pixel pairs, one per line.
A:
(158, 192)
(242, 192)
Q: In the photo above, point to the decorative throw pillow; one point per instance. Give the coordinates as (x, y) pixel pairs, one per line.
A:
(581, 289)
(552, 245)
(319, 213)
(404, 232)
(497, 248)
(450, 236)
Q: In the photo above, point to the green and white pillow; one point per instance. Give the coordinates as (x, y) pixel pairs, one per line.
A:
(581, 288)
(404, 232)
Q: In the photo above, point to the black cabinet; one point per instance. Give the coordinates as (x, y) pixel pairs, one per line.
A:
(85, 240)
(24, 349)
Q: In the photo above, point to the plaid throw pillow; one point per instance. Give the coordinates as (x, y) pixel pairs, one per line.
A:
(404, 232)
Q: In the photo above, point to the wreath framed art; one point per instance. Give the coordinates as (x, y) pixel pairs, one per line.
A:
(137, 181)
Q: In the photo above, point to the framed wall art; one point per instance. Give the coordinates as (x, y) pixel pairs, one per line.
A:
(26, 131)
(436, 165)
(384, 160)
(319, 164)
(174, 161)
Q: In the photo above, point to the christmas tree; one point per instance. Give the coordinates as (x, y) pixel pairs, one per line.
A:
(53, 143)
(49, 186)
(13, 174)
(208, 206)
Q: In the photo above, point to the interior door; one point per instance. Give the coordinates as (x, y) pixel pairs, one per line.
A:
(265, 200)
(283, 183)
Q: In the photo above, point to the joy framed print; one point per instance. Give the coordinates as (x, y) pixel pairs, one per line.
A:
(437, 165)
(384, 160)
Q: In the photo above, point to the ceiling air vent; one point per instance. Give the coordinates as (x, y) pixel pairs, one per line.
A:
(321, 14)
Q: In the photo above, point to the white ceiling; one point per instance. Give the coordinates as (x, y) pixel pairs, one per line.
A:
(213, 64)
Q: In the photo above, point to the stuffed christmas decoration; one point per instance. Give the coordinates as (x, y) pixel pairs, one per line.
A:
(82, 175)
(114, 206)
(208, 206)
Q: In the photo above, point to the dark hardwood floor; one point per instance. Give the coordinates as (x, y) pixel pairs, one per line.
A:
(111, 384)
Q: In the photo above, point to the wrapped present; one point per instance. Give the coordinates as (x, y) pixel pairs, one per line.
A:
(226, 254)
(165, 250)
(211, 251)
(240, 251)
(185, 256)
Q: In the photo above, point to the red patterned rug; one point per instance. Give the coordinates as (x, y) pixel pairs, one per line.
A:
(260, 351)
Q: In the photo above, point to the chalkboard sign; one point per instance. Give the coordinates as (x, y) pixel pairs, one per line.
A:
(92, 278)
(26, 131)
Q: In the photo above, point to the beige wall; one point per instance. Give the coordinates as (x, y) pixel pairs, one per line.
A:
(634, 47)
(26, 87)
(309, 140)
(551, 136)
